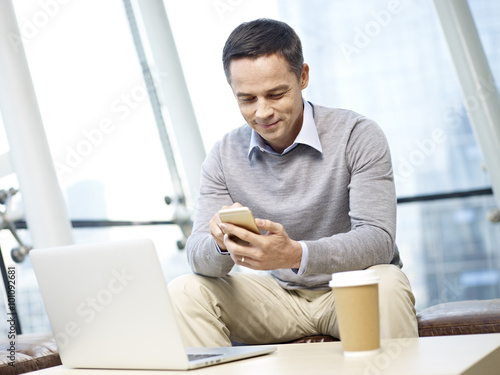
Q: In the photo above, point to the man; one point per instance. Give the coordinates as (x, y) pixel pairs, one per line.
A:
(319, 182)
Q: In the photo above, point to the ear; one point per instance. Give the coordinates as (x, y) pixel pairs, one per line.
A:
(304, 77)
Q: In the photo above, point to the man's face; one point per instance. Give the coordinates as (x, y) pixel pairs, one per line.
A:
(269, 95)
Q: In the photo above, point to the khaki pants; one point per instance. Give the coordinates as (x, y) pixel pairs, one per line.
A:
(254, 309)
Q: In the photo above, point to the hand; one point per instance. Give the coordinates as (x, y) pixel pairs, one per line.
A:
(271, 251)
(215, 230)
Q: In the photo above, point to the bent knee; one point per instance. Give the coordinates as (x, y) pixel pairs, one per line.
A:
(185, 284)
(191, 287)
(392, 281)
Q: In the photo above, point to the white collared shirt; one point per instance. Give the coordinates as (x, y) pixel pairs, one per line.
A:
(308, 135)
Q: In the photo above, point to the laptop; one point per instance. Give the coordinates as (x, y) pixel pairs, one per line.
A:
(109, 308)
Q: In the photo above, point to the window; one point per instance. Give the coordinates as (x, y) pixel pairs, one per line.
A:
(387, 60)
(100, 129)
(390, 62)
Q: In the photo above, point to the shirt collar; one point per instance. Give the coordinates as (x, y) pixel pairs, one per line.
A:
(308, 135)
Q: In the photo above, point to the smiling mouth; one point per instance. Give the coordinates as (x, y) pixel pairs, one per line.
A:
(267, 126)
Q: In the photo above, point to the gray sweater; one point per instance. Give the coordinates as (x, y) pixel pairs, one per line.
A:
(340, 202)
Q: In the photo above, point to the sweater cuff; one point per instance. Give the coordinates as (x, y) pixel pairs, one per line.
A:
(303, 262)
(223, 252)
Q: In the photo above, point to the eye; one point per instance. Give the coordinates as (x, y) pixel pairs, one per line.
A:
(277, 96)
(248, 99)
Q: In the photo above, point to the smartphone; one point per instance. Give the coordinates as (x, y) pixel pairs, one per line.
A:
(240, 216)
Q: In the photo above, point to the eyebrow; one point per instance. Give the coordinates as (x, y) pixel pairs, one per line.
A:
(283, 87)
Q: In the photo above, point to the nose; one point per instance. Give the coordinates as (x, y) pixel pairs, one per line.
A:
(263, 111)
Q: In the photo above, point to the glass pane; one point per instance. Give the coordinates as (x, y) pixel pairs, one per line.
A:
(389, 61)
(450, 249)
(100, 130)
(200, 52)
(95, 109)
(386, 60)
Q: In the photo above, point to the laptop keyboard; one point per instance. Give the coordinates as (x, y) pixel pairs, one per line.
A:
(193, 357)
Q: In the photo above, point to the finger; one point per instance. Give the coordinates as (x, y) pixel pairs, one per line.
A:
(242, 260)
(240, 233)
(217, 233)
(268, 225)
(215, 229)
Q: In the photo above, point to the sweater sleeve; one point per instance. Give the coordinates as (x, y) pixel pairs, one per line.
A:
(372, 208)
(201, 248)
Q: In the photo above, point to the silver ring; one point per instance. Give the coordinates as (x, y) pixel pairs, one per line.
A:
(242, 259)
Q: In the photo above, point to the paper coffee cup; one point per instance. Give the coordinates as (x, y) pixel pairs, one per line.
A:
(356, 304)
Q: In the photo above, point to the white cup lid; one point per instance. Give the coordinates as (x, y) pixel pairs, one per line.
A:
(354, 278)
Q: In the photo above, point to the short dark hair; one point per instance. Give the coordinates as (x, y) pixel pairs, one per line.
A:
(263, 37)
